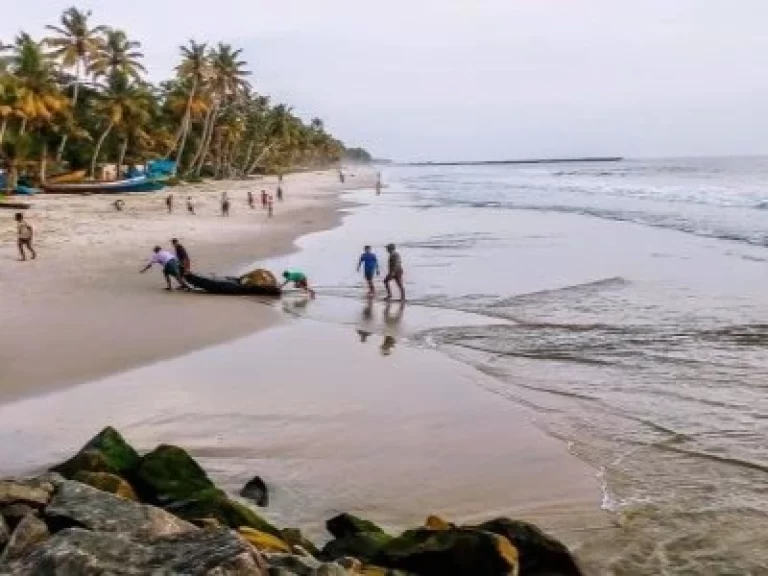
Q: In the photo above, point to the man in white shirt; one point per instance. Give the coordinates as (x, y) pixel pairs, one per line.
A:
(170, 265)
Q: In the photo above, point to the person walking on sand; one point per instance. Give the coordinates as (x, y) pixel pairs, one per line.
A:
(279, 193)
(270, 206)
(185, 265)
(169, 203)
(251, 204)
(264, 199)
(370, 265)
(170, 265)
(224, 204)
(24, 234)
(395, 272)
(299, 280)
(190, 205)
(378, 184)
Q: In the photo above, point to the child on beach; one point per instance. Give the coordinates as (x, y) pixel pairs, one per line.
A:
(395, 272)
(370, 265)
(190, 205)
(299, 280)
(279, 193)
(171, 268)
(25, 233)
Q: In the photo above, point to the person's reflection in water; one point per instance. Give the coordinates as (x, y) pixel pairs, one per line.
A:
(366, 321)
(363, 335)
(388, 345)
(391, 327)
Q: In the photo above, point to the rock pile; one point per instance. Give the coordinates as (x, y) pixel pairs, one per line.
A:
(108, 510)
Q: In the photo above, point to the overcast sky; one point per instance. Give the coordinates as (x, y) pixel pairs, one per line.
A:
(481, 79)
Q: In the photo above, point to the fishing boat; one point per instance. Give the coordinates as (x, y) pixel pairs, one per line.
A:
(68, 178)
(138, 184)
(229, 285)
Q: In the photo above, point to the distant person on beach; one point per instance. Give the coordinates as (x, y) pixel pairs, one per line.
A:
(341, 176)
(171, 267)
(24, 234)
(378, 183)
(190, 205)
(279, 193)
(370, 265)
(251, 203)
(169, 203)
(270, 206)
(185, 265)
(280, 178)
(119, 204)
(395, 272)
(264, 199)
(299, 280)
(224, 204)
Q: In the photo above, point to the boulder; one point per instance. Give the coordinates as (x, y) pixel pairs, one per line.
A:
(379, 571)
(27, 492)
(107, 483)
(540, 554)
(256, 491)
(349, 525)
(169, 477)
(304, 566)
(454, 552)
(5, 533)
(437, 523)
(106, 452)
(15, 513)
(263, 541)
(294, 537)
(77, 504)
(366, 546)
(28, 534)
(75, 551)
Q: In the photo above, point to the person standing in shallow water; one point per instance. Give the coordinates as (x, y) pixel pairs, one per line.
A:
(370, 265)
(395, 272)
(24, 234)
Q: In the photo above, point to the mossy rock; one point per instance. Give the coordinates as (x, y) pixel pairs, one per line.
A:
(106, 452)
(454, 552)
(107, 483)
(540, 554)
(264, 542)
(366, 546)
(216, 504)
(436, 523)
(294, 537)
(350, 525)
(170, 474)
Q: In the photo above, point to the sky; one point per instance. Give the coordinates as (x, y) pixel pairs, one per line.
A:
(480, 79)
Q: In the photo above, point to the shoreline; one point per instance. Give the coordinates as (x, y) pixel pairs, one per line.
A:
(92, 253)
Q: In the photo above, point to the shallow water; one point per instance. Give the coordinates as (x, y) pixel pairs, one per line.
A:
(626, 305)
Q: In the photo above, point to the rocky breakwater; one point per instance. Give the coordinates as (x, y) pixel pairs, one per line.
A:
(109, 510)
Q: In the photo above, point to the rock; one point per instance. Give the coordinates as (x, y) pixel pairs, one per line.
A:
(169, 477)
(5, 533)
(15, 513)
(352, 565)
(207, 523)
(303, 566)
(77, 504)
(349, 525)
(107, 483)
(454, 552)
(106, 452)
(437, 523)
(25, 492)
(540, 554)
(75, 551)
(366, 546)
(30, 532)
(379, 571)
(295, 538)
(263, 541)
(256, 491)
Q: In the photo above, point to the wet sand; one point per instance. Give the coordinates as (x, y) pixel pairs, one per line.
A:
(331, 424)
(82, 311)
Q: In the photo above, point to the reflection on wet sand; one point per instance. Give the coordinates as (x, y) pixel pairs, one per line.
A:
(391, 319)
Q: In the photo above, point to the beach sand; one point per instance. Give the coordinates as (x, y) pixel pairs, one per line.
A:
(330, 422)
(82, 311)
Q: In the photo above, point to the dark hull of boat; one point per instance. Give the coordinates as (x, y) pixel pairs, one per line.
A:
(141, 184)
(229, 285)
(14, 205)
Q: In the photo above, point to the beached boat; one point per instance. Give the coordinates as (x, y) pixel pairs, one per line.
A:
(67, 178)
(139, 184)
(14, 205)
(229, 285)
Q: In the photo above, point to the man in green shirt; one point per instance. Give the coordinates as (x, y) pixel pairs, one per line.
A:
(299, 279)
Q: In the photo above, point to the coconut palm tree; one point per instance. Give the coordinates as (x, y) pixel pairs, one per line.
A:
(74, 46)
(118, 55)
(123, 102)
(193, 70)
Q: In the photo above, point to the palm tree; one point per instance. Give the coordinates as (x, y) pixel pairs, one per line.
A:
(118, 55)
(227, 83)
(193, 70)
(75, 45)
(124, 102)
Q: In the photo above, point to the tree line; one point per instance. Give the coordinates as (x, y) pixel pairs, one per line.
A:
(79, 97)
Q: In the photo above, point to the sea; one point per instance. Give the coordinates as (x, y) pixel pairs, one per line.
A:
(624, 303)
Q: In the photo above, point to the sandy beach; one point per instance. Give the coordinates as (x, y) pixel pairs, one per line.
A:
(82, 311)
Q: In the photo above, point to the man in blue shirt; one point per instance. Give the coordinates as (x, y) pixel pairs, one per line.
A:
(370, 265)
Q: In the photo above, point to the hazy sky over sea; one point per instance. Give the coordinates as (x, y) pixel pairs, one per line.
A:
(477, 79)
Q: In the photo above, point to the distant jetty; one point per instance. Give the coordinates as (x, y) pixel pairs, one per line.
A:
(531, 161)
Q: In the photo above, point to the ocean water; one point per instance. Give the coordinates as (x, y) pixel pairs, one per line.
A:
(624, 303)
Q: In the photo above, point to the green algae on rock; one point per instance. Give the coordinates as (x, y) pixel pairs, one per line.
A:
(106, 452)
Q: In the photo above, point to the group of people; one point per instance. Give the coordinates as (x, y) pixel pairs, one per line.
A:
(370, 266)
(175, 264)
(267, 202)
